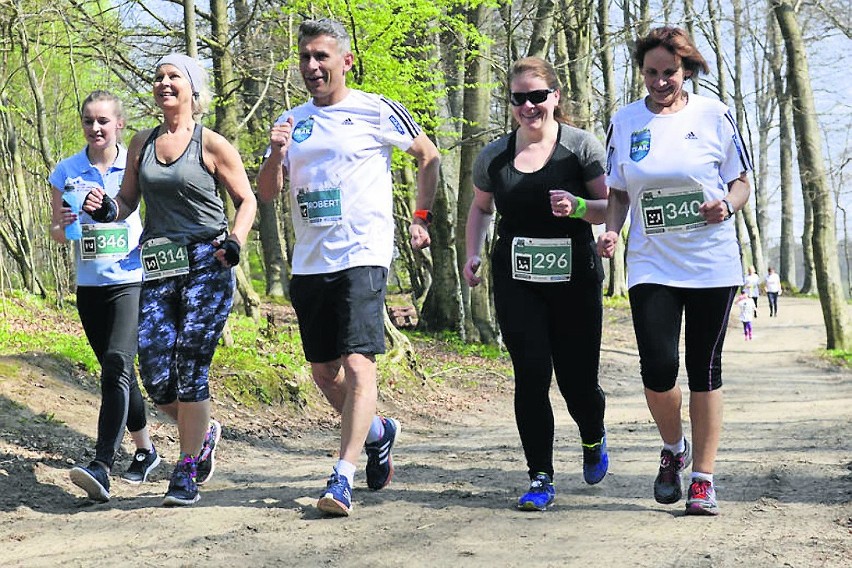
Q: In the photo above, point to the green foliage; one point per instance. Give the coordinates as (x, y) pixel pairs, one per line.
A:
(263, 366)
(452, 342)
(841, 357)
(616, 302)
(55, 341)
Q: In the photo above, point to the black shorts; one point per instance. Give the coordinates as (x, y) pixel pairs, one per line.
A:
(341, 312)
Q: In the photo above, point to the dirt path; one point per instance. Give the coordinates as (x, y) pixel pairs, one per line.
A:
(783, 475)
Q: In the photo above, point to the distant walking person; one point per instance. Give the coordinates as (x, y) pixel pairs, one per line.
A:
(752, 286)
(746, 307)
(677, 162)
(773, 290)
(109, 279)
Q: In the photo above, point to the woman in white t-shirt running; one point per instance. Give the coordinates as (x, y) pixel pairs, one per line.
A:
(676, 161)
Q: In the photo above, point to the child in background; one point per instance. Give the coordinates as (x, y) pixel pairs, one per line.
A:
(746, 305)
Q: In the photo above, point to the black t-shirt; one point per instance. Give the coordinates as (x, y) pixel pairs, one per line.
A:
(523, 198)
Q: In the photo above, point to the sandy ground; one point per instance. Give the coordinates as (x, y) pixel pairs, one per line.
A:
(783, 478)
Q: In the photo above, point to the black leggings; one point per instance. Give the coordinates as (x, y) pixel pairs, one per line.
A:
(551, 327)
(657, 314)
(109, 315)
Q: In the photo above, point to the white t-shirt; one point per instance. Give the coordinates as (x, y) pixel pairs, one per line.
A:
(339, 168)
(746, 309)
(773, 283)
(752, 285)
(698, 148)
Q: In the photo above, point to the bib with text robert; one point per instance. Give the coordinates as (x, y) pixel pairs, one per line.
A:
(321, 206)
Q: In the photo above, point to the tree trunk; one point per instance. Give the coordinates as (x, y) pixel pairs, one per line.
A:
(226, 125)
(809, 281)
(190, 35)
(578, 26)
(616, 284)
(541, 29)
(16, 234)
(479, 321)
(787, 259)
(814, 181)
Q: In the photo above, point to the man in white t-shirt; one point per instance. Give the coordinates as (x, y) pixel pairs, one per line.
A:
(336, 151)
(773, 290)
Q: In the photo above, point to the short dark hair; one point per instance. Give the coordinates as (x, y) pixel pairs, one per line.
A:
(326, 27)
(677, 42)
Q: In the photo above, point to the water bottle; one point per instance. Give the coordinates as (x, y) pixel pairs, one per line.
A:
(74, 200)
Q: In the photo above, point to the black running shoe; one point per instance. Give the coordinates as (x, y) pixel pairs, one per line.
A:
(182, 488)
(143, 463)
(668, 487)
(379, 459)
(94, 480)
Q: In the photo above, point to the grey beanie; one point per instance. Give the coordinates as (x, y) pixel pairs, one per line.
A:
(188, 66)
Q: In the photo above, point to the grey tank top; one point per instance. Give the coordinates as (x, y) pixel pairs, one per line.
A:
(181, 200)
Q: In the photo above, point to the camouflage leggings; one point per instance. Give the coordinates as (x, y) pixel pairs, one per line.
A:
(180, 321)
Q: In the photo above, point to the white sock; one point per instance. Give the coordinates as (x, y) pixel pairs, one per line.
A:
(699, 475)
(347, 470)
(677, 448)
(377, 430)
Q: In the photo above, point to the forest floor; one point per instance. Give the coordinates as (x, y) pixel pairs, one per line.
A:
(783, 474)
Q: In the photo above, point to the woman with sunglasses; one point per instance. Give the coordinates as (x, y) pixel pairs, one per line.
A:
(677, 163)
(546, 179)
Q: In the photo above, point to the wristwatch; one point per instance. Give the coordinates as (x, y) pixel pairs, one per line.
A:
(425, 215)
(730, 209)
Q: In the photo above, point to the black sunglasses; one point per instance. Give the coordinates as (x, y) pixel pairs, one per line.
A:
(535, 97)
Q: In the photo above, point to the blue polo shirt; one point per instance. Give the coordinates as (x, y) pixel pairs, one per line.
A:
(79, 172)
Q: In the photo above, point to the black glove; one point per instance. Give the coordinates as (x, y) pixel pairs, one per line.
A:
(232, 251)
(108, 211)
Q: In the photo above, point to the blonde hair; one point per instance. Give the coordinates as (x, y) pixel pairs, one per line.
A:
(99, 95)
(201, 103)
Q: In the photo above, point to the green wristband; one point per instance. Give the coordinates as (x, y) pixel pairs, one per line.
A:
(580, 210)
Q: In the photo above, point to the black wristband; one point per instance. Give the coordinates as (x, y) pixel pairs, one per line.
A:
(108, 211)
(232, 251)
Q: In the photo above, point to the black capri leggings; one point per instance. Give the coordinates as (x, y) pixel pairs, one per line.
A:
(109, 315)
(657, 314)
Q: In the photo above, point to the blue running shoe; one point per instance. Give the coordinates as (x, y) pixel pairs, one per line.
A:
(595, 461)
(337, 497)
(379, 460)
(182, 488)
(206, 464)
(540, 494)
(94, 480)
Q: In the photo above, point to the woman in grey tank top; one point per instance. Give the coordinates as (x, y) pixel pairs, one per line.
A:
(188, 255)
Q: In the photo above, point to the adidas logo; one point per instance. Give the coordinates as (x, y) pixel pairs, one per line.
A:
(348, 121)
(691, 136)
